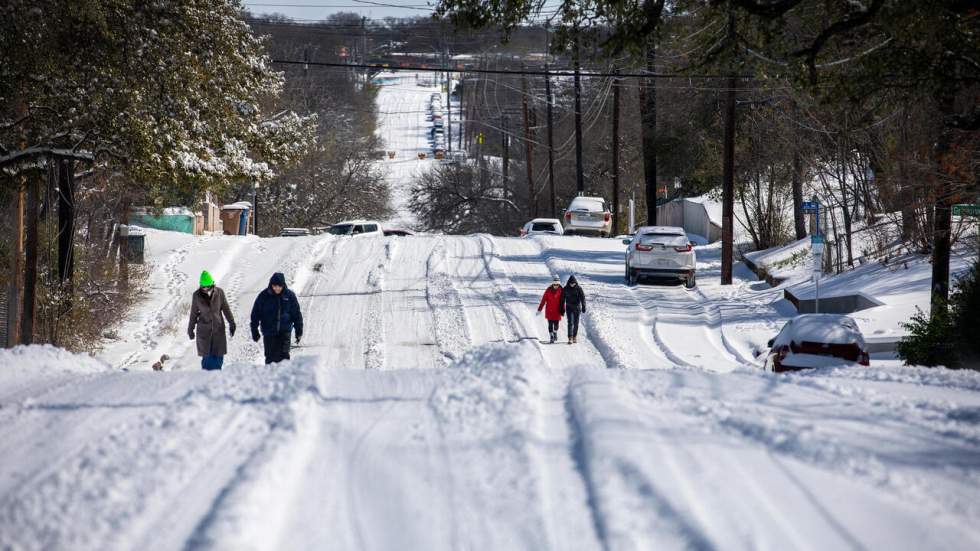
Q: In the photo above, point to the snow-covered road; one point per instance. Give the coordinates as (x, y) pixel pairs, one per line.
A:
(425, 412)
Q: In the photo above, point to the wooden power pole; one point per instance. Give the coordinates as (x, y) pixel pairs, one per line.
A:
(532, 201)
(728, 173)
(579, 166)
(615, 156)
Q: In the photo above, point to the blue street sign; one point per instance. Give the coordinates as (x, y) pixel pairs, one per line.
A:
(809, 206)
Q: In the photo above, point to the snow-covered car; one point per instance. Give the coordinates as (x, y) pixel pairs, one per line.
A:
(817, 340)
(542, 226)
(588, 215)
(660, 251)
(356, 228)
(397, 232)
(294, 232)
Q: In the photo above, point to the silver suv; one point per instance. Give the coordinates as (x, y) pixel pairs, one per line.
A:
(660, 251)
(588, 215)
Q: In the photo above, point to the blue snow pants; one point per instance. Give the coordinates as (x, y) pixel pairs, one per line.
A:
(212, 363)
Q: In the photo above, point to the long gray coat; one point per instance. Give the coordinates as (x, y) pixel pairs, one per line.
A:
(206, 322)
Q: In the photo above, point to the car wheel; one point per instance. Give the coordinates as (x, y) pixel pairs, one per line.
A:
(690, 282)
(632, 278)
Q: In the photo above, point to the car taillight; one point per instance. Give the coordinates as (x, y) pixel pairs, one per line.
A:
(607, 217)
(644, 248)
(782, 352)
(864, 359)
(568, 216)
(684, 249)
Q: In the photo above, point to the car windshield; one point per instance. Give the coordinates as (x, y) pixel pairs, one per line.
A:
(590, 205)
(669, 239)
(341, 229)
(543, 226)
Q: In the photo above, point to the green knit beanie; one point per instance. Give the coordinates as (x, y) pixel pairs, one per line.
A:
(206, 279)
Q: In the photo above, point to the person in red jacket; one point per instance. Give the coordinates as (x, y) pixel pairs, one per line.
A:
(551, 303)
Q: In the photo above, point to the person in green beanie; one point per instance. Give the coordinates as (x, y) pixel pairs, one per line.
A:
(209, 309)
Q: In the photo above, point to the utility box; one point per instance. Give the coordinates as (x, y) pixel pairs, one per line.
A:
(136, 244)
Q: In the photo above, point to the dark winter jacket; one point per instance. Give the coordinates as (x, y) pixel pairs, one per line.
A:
(207, 323)
(572, 297)
(277, 314)
(551, 302)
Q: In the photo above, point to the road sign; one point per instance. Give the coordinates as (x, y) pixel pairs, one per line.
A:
(809, 206)
(966, 210)
(816, 239)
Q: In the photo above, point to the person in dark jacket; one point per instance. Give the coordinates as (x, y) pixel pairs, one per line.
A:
(551, 303)
(276, 312)
(209, 310)
(573, 305)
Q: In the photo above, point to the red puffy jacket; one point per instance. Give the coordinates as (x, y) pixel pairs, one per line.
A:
(551, 302)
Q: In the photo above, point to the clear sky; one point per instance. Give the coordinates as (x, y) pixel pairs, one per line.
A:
(319, 9)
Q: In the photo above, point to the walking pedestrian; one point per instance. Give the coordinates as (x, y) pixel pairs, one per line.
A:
(276, 312)
(573, 305)
(552, 305)
(209, 310)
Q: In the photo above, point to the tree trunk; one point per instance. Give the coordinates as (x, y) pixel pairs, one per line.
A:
(648, 113)
(797, 182)
(30, 265)
(942, 221)
(66, 221)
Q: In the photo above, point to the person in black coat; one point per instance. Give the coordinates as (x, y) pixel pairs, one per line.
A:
(276, 312)
(573, 305)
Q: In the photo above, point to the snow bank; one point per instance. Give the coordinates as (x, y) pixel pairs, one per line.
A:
(46, 359)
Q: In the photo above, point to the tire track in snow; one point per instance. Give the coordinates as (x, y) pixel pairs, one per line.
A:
(451, 325)
(375, 328)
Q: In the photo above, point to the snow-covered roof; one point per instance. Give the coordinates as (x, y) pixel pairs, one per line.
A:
(660, 229)
(345, 222)
(821, 328)
(240, 205)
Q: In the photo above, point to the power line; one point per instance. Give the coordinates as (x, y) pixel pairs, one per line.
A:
(560, 73)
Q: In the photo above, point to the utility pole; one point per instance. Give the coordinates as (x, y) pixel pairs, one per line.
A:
(615, 156)
(459, 132)
(532, 200)
(505, 146)
(551, 137)
(579, 168)
(449, 106)
(30, 266)
(364, 51)
(728, 172)
(648, 108)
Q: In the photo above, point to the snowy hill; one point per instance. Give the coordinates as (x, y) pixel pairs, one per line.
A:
(423, 411)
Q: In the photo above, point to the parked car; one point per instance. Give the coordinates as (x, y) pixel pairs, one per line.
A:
(542, 226)
(398, 232)
(817, 340)
(660, 251)
(588, 215)
(356, 228)
(294, 232)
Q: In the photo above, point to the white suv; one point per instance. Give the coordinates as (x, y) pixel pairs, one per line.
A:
(660, 251)
(588, 215)
(356, 228)
(540, 226)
